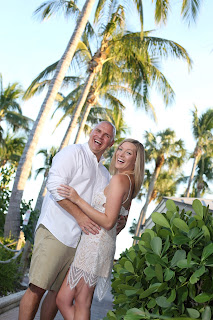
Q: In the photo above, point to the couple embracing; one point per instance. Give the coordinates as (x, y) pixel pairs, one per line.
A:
(84, 208)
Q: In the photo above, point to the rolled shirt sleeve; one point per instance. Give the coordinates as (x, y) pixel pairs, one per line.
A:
(64, 167)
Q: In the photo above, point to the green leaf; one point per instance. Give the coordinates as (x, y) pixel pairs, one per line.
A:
(207, 251)
(193, 313)
(168, 274)
(180, 239)
(206, 315)
(131, 292)
(149, 272)
(159, 272)
(148, 292)
(180, 224)
(172, 296)
(163, 302)
(150, 232)
(120, 299)
(131, 255)
(179, 255)
(206, 232)
(198, 208)
(199, 272)
(184, 264)
(156, 245)
(111, 315)
(153, 259)
(159, 219)
(170, 205)
(151, 304)
(129, 266)
(203, 297)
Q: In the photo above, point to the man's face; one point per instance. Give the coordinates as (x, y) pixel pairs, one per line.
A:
(101, 138)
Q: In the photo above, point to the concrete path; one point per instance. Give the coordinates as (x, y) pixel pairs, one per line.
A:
(98, 310)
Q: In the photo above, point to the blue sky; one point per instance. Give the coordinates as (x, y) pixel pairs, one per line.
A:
(28, 46)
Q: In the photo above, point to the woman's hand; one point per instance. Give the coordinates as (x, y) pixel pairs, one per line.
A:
(68, 193)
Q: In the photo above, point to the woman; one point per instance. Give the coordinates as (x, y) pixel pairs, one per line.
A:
(93, 260)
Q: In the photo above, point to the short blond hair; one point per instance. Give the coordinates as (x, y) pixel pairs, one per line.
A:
(139, 164)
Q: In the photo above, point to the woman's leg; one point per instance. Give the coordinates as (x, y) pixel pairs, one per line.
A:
(64, 300)
(83, 300)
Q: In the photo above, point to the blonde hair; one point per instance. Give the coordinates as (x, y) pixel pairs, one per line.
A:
(139, 164)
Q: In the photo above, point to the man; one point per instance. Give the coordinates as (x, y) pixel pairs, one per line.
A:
(61, 222)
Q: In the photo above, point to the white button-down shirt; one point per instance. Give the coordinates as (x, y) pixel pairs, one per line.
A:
(78, 167)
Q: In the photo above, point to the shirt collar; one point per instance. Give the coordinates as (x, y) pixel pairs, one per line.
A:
(92, 154)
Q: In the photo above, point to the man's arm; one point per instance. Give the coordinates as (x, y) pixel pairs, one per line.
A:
(121, 223)
(64, 167)
(84, 222)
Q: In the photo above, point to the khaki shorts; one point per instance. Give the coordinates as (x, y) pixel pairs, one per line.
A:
(50, 261)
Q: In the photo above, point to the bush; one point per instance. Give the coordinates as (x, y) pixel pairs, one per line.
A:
(9, 275)
(169, 273)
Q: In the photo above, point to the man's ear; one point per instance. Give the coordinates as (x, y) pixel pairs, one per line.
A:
(112, 143)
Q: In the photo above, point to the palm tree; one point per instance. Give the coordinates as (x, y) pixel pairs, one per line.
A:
(202, 131)
(11, 148)
(12, 223)
(189, 10)
(204, 175)
(48, 157)
(10, 109)
(163, 150)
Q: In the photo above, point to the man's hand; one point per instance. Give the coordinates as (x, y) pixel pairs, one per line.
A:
(121, 223)
(87, 225)
(84, 222)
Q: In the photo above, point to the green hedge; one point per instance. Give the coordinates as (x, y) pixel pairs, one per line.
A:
(9, 276)
(169, 273)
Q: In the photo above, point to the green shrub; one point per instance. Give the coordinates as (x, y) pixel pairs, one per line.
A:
(9, 275)
(169, 273)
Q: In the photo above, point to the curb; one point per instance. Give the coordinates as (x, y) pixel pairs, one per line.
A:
(11, 301)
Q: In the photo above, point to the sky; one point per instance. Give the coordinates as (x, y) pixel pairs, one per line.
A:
(28, 46)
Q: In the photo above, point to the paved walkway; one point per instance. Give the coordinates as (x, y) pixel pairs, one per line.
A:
(98, 310)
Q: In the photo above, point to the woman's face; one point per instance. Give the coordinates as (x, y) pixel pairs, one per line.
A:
(125, 157)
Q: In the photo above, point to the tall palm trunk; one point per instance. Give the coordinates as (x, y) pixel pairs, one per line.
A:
(94, 67)
(142, 216)
(78, 109)
(197, 154)
(12, 223)
(83, 121)
(41, 195)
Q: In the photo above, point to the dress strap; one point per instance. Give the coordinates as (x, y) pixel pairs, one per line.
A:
(130, 187)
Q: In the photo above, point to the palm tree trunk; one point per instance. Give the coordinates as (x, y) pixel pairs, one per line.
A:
(12, 223)
(142, 216)
(78, 109)
(83, 121)
(191, 176)
(41, 195)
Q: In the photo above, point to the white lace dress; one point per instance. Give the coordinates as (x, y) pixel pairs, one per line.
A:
(95, 254)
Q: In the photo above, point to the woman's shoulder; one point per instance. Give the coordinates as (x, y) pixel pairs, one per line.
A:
(119, 179)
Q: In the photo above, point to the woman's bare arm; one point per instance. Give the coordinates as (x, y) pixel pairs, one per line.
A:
(116, 192)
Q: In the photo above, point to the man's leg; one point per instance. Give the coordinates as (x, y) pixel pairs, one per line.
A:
(30, 302)
(49, 307)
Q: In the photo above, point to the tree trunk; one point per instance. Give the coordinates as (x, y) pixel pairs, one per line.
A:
(78, 109)
(197, 154)
(142, 216)
(41, 195)
(83, 121)
(12, 223)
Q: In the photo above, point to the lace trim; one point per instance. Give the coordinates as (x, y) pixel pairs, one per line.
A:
(102, 284)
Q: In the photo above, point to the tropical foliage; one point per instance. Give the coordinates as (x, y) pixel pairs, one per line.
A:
(10, 109)
(203, 133)
(167, 153)
(168, 274)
